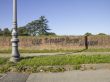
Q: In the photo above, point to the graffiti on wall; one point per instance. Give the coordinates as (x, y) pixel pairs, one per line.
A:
(67, 40)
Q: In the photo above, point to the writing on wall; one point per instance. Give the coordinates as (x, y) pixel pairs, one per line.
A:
(67, 42)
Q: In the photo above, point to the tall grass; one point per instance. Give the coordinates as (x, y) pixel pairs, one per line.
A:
(55, 63)
(64, 60)
(3, 61)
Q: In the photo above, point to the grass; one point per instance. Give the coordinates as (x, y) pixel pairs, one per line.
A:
(98, 50)
(64, 60)
(39, 51)
(58, 50)
(3, 61)
(54, 63)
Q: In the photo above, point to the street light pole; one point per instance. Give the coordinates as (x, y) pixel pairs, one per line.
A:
(15, 53)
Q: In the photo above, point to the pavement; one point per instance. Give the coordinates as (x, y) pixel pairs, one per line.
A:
(58, 53)
(14, 77)
(68, 76)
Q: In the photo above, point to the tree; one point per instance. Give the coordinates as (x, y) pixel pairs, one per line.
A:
(32, 27)
(88, 34)
(38, 27)
(101, 34)
(43, 26)
(51, 34)
(1, 32)
(6, 32)
(23, 31)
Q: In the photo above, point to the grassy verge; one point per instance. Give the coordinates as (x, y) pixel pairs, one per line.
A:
(58, 50)
(55, 63)
(98, 50)
(3, 61)
(37, 51)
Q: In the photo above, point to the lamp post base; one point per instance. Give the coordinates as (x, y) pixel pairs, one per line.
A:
(15, 52)
(13, 59)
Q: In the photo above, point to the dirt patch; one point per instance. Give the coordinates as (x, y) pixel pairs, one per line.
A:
(82, 67)
(96, 66)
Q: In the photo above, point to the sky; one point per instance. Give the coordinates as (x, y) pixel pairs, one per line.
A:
(66, 17)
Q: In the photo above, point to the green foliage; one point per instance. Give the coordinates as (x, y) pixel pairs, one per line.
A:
(4, 69)
(54, 63)
(50, 34)
(43, 26)
(6, 32)
(98, 50)
(3, 61)
(1, 32)
(38, 27)
(88, 34)
(58, 50)
(64, 60)
(32, 27)
(102, 34)
(23, 31)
